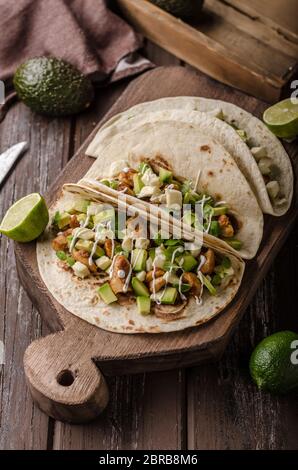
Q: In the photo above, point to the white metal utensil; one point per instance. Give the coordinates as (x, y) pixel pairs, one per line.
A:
(8, 158)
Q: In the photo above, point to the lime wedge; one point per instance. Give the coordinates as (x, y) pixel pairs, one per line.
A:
(282, 118)
(26, 219)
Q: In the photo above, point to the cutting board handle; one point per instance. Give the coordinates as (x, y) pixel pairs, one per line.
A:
(63, 380)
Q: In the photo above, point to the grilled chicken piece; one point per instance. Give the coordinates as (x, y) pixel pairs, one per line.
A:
(209, 265)
(126, 177)
(83, 257)
(157, 273)
(124, 187)
(74, 222)
(193, 281)
(157, 284)
(67, 232)
(59, 243)
(108, 246)
(226, 228)
(121, 265)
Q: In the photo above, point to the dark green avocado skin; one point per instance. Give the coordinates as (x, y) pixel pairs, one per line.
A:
(180, 8)
(52, 87)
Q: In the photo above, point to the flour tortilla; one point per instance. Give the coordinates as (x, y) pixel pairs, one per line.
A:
(190, 109)
(186, 151)
(79, 297)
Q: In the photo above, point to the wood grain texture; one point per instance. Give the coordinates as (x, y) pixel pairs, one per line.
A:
(220, 41)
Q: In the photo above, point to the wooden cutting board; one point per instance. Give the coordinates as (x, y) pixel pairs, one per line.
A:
(61, 368)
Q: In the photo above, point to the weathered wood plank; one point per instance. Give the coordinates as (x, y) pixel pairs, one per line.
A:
(23, 426)
(225, 409)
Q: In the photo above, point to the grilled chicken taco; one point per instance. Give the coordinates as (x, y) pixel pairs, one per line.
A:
(258, 153)
(104, 268)
(172, 164)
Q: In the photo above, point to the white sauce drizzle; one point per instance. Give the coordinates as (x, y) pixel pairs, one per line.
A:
(112, 266)
(201, 263)
(199, 300)
(182, 296)
(127, 281)
(197, 180)
(121, 274)
(78, 232)
(220, 203)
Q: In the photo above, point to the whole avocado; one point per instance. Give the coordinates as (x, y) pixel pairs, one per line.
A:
(52, 86)
(180, 8)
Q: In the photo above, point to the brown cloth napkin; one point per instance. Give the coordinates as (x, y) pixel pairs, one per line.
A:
(84, 32)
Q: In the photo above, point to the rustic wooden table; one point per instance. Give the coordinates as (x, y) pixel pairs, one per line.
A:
(207, 407)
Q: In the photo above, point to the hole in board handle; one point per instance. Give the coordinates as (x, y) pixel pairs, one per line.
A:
(65, 378)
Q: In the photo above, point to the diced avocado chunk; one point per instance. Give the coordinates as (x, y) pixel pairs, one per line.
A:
(144, 305)
(234, 243)
(63, 220)
(103, 262)
(138, 259)
(220, 210)
(152, 253)
(107, 294)
(99, 252)
(143, 166)
(80, 270)
(85, 245)
(216, 280)
(226, 262)
(81, 217)
(81, 206)
(165, 176)
(70, 261)
(139, 287)
(189, 262)
(137, 183)
(169, 296)
(242, 134)
(214, 228)
(104, 216)
(105, 182)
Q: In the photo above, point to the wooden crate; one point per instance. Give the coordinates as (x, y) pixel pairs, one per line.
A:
(252, 45)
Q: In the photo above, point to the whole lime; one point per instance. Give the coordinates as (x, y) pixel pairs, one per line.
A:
(52, 86)
(272, 364)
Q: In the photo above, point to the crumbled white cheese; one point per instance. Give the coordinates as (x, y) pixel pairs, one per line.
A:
(117, 167)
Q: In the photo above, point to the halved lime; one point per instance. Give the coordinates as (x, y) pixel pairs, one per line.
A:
(282, 118)
(26, 219)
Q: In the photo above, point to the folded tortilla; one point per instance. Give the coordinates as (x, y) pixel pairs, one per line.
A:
(190, 154)
(201, 112)
(79, 296)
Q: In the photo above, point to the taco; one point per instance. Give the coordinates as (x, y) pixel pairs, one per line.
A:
(170, 164)
(105, 269)
(258, 153)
